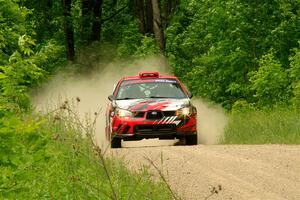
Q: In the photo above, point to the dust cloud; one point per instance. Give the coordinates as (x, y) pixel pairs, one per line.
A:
(211, 121)
(93, 90)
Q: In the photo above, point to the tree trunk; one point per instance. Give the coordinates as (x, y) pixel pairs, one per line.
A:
(96, 25)
(169, 6)
(85, 21)
(68, 29)
(149, 17)
(157, 26)
(49, 4)
(114, 3)
(140, 15)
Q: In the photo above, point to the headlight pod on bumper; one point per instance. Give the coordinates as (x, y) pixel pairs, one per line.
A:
(123, 113)
(185, 112)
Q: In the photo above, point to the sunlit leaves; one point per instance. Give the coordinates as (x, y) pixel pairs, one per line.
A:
(2, 75)
(12, 26)
(295, 64)
(270, 82)
(215, 45)
(25, 44)
(23, 62)
(21, 141)
(295, 76)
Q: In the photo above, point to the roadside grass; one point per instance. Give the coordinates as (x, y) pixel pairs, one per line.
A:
(278, 126)
(54, 157)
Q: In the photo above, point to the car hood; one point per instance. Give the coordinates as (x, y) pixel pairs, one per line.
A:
(152, 104)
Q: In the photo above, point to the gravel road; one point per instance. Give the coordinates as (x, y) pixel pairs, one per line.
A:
(194, 172)
(222, 171)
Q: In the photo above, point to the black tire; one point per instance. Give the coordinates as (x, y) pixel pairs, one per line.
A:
(115, 143)
(191, 139)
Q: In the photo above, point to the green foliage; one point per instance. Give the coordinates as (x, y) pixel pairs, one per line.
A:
(296, 98)
(219, 48)
(270, 82)
(45, 20)
(135, 44)
(280, 126)
(23, 145)
(131, 39)
(214, 45)
(50, 57)
(26, 69)
(295, 65)
(48, 158)
(148, 47)
(25, 45)
(295, 76)
(12, 26)
(20, 73)
(122, 30)
(23, 62)
(119, 28)
(241, 106)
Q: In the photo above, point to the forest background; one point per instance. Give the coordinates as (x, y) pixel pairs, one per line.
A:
(241, 54)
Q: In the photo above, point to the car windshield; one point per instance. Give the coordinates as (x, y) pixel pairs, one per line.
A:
(153, 88)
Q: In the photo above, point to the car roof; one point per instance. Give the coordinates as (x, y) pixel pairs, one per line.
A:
(137, 77)
(159, 76)
(145, 76)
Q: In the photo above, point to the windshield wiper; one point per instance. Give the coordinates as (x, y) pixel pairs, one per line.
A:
(126, 98)
(156, 97)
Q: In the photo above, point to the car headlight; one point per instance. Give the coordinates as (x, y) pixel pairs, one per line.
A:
(186, 111)
(123, 113)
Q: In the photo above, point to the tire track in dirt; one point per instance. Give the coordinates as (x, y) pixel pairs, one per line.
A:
(241, 171)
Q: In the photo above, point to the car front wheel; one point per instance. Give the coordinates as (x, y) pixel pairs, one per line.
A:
(115, 143)
(191, 139)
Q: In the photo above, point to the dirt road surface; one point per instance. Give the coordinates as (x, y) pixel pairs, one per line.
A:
(222, 171)
(236, 172)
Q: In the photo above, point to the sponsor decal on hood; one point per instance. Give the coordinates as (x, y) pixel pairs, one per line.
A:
(152, 104)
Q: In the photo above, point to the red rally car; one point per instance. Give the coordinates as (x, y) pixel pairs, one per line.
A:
(150, 106)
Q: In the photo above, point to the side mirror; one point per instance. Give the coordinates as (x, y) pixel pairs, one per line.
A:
(190, 95)
(111, 97)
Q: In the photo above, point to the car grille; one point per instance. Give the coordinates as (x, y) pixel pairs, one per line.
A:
(155, 129)
(155, 114)
(139, 114)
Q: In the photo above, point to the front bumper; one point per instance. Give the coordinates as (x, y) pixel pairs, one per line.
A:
(167, 136)
(140, 128)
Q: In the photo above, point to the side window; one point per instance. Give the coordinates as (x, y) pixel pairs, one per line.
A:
(115, 85)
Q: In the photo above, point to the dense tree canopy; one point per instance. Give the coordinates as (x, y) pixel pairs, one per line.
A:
(217, 46)
(242, 54)
(225, 51)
